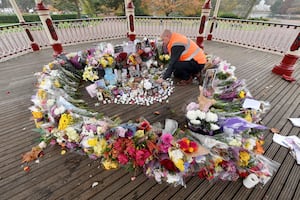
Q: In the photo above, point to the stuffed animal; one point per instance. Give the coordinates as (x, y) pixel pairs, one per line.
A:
(204, 102)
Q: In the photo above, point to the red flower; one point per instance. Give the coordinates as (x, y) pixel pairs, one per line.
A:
(169, 165)
(122, 158)
(145, 125)
(188, 146)
(243, 173)
(130, 150)
(141, 156)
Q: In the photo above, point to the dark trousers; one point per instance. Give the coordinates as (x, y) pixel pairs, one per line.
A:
(186, 69)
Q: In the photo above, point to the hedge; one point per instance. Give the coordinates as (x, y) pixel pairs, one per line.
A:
(33, 18)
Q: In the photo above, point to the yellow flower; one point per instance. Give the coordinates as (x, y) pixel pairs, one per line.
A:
(244, 158)
(242, 94)
(180, 165)
(100, 147)
(110, 60)
(42, 94)
(218, 160)
(51, 65)
(37, 114)
(92, 141)
(139, 133)
(107, 164)
(132, 59)
(64, 121)
(57, 83)
(38, 123)
(103, 62)
(248, 116)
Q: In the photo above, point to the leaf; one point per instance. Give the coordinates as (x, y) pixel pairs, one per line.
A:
(39, 130)
(157, 113)
(31, 155)
(274, 130)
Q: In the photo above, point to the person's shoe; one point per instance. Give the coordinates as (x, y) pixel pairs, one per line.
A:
(185, 82)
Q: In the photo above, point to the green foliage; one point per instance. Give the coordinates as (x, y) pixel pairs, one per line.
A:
(228, 15)
(33, 18)
(258, 19)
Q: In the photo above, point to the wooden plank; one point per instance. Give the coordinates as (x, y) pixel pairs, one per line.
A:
(56, 178)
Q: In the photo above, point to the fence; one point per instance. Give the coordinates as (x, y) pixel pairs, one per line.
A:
(268, 36)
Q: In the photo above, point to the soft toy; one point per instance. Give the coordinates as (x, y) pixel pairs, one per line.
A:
(204, 102)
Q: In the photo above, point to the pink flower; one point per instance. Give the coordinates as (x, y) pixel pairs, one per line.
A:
(141, 156)
(118, 145)
(130, 150)
(167, 138)
(122, 158)
(164, 147)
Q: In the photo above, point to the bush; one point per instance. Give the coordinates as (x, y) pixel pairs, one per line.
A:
(229, 15)
(34, 18)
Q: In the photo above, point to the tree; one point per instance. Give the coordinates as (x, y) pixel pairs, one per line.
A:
(88, 7)
(67, 6)
(169, 7)
(283, 7)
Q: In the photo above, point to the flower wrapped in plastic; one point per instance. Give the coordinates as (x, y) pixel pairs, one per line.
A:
(203, 122)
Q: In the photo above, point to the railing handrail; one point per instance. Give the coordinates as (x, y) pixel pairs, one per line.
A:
(262, 35)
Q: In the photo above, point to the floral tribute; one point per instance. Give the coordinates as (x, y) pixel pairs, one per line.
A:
(128, 76)
(230, 149)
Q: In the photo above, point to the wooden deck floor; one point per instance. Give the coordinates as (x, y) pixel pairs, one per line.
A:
(71, 176)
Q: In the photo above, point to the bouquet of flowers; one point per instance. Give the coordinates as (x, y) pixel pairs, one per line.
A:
(203, 122)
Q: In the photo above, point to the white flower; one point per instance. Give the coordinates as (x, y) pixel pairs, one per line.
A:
(158, 175)
(235, 142)
(191, 115)
(42, 145)
(176, 155)
(173, 178)
(214, 127)
(211, 117)
(249, 144)
(200, 114)
(50, 102)
(195, 121)
(59, 110)
(72, 134)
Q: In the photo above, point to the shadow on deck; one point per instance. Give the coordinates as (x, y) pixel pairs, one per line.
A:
(71, 176)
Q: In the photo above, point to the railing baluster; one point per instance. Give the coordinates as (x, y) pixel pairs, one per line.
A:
(273, 37)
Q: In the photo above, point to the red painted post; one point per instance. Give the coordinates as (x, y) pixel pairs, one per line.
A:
(46, 20)
(286, 67)
(34, 45)
(129, 11)
(204, 17)
(215, 15)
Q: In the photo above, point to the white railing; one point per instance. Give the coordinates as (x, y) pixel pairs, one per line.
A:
(256, 34)
(268, 36)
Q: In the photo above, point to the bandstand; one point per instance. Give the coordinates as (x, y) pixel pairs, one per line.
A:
(255, 48)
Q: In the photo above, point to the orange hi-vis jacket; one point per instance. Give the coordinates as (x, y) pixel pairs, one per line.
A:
(192, 50)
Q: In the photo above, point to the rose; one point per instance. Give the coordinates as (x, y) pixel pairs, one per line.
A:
(169, 165)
